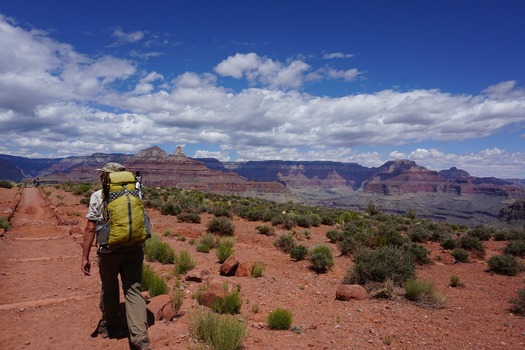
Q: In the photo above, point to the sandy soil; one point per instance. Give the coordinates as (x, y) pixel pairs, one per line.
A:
(46, 302)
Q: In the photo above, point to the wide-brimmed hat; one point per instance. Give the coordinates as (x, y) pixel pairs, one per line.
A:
(112, 167)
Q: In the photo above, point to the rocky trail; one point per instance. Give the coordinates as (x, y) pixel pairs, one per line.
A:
(46, 302)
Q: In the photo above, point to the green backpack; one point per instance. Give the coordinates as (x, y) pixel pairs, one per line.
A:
(125, 222)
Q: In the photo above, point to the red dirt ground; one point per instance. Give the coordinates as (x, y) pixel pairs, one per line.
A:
(46, 302)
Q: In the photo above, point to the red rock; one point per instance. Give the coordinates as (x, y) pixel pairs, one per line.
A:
(346, 292)
(229, 267)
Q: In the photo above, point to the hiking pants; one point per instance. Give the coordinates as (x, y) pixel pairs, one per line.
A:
(129, 265)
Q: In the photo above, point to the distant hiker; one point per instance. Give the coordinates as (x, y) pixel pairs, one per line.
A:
(36, 182)
(117, 216)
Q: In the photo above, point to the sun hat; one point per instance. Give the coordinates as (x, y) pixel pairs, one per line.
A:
(112, 167)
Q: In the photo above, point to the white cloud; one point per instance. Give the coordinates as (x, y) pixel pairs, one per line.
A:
(332, 55)
(56, 101)
(129, 37)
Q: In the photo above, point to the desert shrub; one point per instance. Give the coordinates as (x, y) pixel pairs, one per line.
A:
(418, 234)
(507, 265)
(423, 293)
(206, 242)
(230, 304)
(80, 189)
(389, 235)
(192, 218)
(222, 211)
(258, 269)
(460, 255)
(471, 243)
(483, 233)
(220, 332)
(516, 248)
(224, 252)
(157, 250)
(6, 225)
(387, 262)
(222, 226)
(514, 234)
(266, 230)
(454, 281)
(285, 243)
(419, 253)
(170, 209)
(304, 221)
(448, 243)
(280, 319)
(334, 236)
(372, 208)
(152, 282)
(177, 299)
(298, 252)
(411, 214)
(352, 243)
(321, 258)
(518, 303)
(184, 263)
(6, 184)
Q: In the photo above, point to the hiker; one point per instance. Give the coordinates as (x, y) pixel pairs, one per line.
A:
(36, 182)
(115, 259)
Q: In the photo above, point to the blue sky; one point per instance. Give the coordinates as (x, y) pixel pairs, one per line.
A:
(437, 82)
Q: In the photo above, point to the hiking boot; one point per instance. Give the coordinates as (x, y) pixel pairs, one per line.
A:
(103, 329)
(143, 345)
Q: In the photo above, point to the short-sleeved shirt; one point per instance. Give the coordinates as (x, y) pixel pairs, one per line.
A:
(96, 206)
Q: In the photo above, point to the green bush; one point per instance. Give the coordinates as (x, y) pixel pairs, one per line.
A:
(507, 265)
(230, 304)
(266, 230)
(184, 263)
(387, 262)
(280, 319)
(471, 243)
(157, 250)
(80, 189)
(418, 234)
(516, 248)
(454, 281)
(6, 225)
(152, 282)
(424, 293)
(483, 233)
(192, 218)
(6, 184)
(170, 209)
(224, 252)
(448, 243)
(334, 236)
(321, 258)
(298, 252)
(220, 332)
(206, 242)
(460, 254)
(258, 269)
(518, 303)
(419, 253)
(222, 226)
(285, 243)
(177, 299)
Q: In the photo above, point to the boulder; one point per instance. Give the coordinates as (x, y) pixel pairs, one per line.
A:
(162, 307)
(244, 269)
(229, 267)
(347, 292)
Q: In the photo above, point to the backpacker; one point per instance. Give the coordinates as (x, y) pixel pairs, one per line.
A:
(125, 222)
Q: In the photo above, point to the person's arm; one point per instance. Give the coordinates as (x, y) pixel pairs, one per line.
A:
(89, 236)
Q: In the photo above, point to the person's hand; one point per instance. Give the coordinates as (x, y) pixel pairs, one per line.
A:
(86, 267)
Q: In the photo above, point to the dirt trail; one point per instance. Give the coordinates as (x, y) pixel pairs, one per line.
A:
(45, 302)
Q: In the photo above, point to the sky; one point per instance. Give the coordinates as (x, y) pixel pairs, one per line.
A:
(441, 83)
